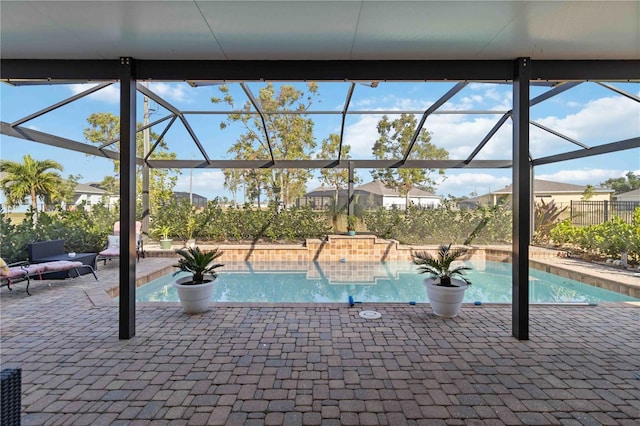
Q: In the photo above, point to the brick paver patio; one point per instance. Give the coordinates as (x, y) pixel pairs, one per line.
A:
(316, 364)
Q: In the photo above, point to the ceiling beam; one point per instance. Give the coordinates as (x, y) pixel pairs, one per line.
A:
(582, 153)
(328, 164)
(607, 70)
(345, 109)
(330, 70)
(61, 103)
(437, 104)
(560, 135)
(619, 91)
(48, 70)
(52, 140)
(59, 69)
(258, 108)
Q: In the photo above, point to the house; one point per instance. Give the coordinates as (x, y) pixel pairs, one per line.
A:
(388, 197)
(91, 194)
(372, 195)
(197, 200)
(560, 193)
(628, 196)
(88, 193)
(322, 198)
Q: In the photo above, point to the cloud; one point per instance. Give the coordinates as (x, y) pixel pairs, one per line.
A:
(583, 176)
(457, 133)
(461, 134)
(361, 136)
(464, 183)
(109, 94)
(601, 121)
(207, 183)
(313, 183)
(171, 91)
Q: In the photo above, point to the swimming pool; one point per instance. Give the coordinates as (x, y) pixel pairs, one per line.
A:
(368, 282)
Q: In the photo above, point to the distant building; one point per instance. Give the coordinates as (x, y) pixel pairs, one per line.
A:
(628, 196)
(561, 193)
(387, 197)
(372, 195)
(91, 194)
(197, 201)
(88, 193)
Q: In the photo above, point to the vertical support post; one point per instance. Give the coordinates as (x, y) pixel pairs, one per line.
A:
(521, 202)
(127, 276)
(146, 135)
(350, 200)
(532, 204)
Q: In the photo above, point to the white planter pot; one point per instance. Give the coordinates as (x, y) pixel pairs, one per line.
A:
(445, 301)
(195, 299)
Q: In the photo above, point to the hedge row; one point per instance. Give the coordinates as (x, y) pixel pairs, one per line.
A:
(609, 239)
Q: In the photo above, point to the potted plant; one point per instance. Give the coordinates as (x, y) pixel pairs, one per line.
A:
(162, 233)
(351, 225)
(191, 228)
(195, 291)
(447, 284)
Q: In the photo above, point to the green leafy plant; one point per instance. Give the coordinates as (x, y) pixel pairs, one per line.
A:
(611, 238)
(384, 222)
(351, 223)
(199, 263)
(162, 232)
(440, 266)
(546, 215)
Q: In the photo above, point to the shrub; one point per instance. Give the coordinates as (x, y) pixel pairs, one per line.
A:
(82, 231)
(545, 218)
(484, 225)
(610, 238)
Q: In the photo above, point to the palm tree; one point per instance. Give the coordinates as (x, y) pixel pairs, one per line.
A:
(31, 178)
(440, 265)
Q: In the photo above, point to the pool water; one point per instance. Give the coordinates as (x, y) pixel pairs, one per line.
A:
(368, 282)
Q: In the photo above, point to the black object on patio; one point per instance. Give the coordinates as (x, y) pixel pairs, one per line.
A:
(11, 379)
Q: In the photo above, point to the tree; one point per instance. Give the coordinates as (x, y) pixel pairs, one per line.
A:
(290, 136)
(589, 192)
(65, 192)
(31, 178)
(335, 178)
(110, 184)
(393, 142)
(104, 128)
(623, 184)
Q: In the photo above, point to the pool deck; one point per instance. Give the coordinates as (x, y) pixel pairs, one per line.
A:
(316, 364)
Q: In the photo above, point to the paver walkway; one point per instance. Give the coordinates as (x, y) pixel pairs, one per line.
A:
(316, 364)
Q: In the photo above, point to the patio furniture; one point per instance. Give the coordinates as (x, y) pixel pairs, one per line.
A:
(53, 250)
(11, 395)
(112, 251)
(24, 271)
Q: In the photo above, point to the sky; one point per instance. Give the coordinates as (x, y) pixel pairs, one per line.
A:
(588, 113)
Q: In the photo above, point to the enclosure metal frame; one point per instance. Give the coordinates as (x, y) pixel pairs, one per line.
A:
(520, 72)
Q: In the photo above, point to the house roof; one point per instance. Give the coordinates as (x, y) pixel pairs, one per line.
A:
(552, 187)
(187, 195)
(378, 188)
(322, 191)
(85, 188)
(373, 187)
(633, 194)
